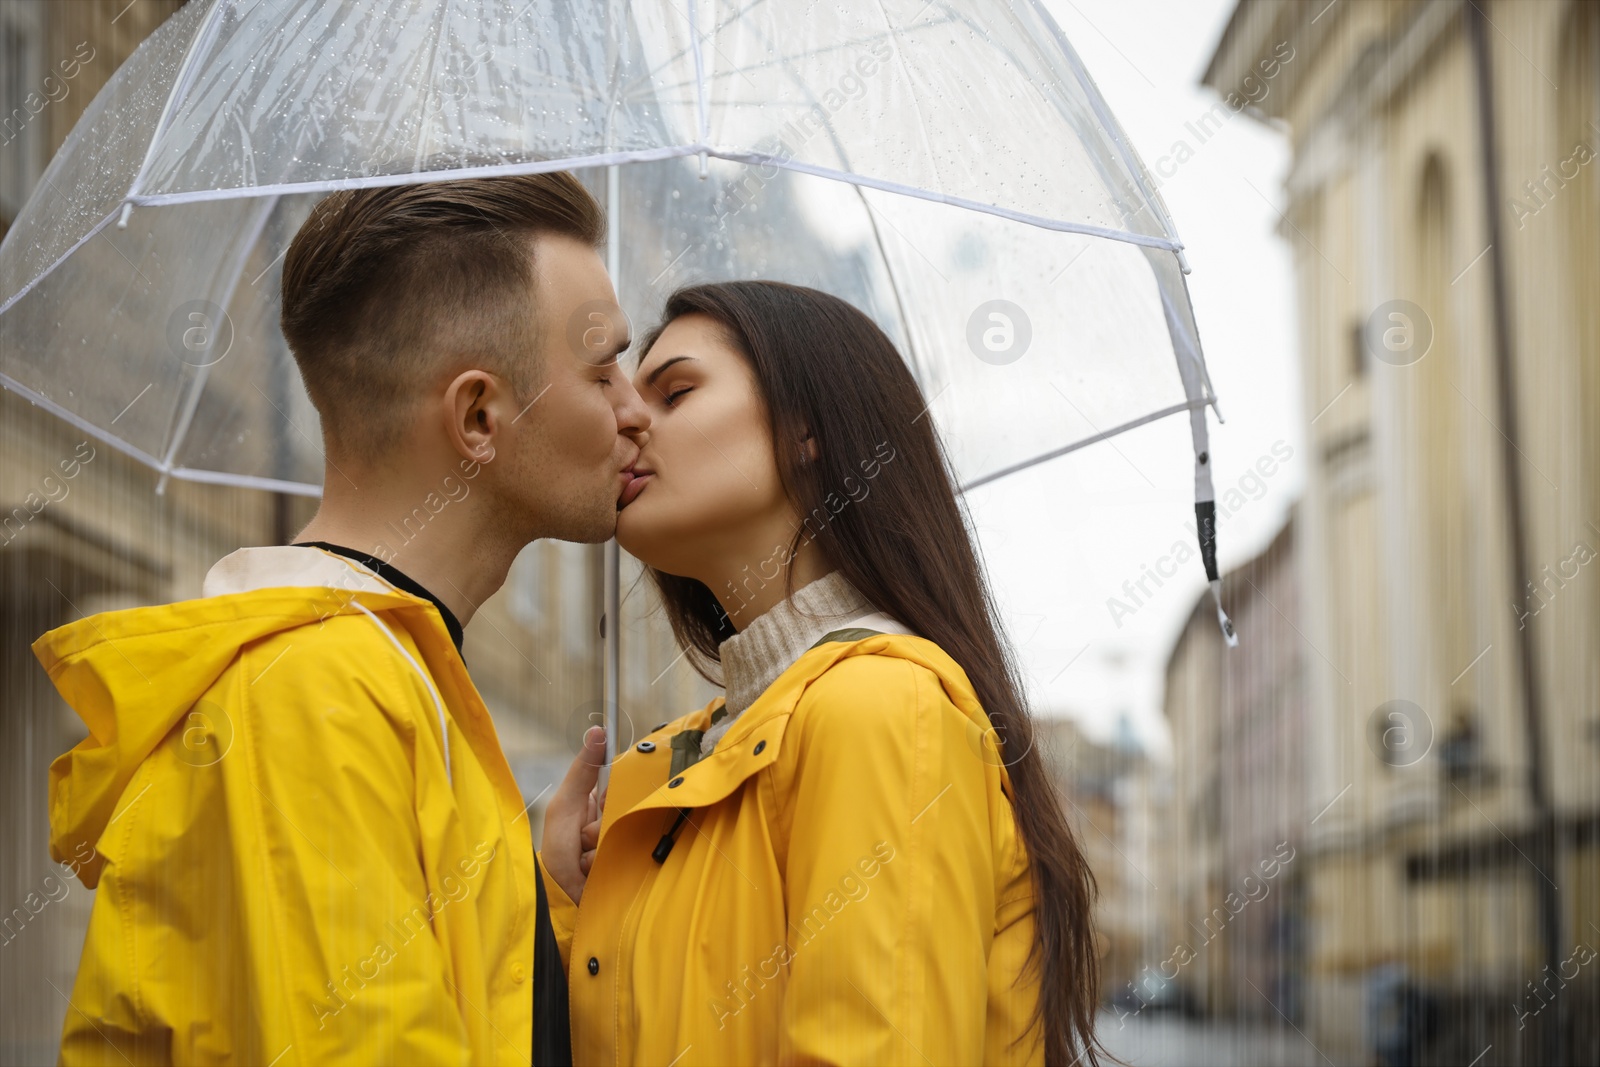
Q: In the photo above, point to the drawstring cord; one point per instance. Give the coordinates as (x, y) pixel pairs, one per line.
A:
(669, 838)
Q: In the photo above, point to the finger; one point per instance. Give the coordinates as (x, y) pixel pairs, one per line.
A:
(590, 837)
(585, 861)
(585, 770)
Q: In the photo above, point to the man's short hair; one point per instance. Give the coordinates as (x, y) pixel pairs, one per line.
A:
(386, 289)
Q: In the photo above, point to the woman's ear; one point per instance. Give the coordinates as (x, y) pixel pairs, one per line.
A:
(808, 450)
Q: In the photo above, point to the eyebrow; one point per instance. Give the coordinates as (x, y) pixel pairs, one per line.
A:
(603, 362)
(650, 380)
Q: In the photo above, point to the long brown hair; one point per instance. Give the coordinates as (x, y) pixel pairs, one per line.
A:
(824, 368)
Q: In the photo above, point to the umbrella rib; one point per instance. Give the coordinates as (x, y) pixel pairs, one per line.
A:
(1041, 221)
(73, 419)
(85, 239)
(134, 452)
(192, 401)
(701, 109)
(429, 86)
(203, 41)
(1004, 472)
(242, 481)
(670, 60)
(894, 282)
(916, 103)
(1131, 164)
(651, 155)
(841, 46)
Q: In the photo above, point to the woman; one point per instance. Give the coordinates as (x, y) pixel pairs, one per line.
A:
(856, 857)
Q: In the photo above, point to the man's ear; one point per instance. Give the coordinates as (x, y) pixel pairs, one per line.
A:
(474, 419)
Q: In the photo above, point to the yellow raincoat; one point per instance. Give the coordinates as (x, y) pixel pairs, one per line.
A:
(288, 872)
(848, 887)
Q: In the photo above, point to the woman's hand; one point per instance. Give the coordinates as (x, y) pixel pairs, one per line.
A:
(589, 838)
(569, 845)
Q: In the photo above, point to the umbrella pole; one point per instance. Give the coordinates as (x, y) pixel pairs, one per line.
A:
(611, 624)
(610, 660)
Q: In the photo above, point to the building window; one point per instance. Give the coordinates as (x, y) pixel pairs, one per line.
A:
(1461, 750)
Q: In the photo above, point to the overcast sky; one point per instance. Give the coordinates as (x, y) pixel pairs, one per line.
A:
(1060, 540)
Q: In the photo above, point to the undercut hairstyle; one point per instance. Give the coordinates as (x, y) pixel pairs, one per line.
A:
(387, 290)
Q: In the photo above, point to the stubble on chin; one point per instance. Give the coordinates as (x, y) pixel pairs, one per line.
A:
(588, 525)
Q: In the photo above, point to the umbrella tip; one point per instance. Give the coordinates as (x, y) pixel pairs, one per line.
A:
(127, 209)
(704, 170)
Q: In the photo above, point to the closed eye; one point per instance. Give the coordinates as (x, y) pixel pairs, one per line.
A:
(670, 397)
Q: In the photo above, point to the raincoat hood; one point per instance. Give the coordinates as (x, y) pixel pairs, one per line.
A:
(307, 843)
(132, 675)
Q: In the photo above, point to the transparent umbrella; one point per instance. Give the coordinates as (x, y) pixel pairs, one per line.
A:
(948, 167)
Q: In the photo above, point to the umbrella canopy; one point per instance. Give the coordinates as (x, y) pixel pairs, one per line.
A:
(954, 172)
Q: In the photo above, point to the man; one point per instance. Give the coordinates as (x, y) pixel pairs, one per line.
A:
(307, 842)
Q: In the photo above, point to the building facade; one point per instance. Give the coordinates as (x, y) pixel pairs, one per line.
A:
(1233, 921)
(1443, 207)
(1115, 799)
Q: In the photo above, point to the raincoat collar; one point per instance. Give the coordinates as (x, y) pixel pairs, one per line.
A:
(756, 738)
(397, 578)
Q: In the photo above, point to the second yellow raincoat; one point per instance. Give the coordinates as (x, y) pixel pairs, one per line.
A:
(307, 843)
(848, 886)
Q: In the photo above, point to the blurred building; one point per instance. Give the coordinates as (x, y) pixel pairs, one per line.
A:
(1233, 920)
(1115, 797)
(102, 538)
(1450, 358)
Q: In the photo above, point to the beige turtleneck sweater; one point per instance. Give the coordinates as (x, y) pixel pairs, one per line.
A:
(753, 658)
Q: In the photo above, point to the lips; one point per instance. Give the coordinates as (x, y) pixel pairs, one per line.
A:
(637, 480)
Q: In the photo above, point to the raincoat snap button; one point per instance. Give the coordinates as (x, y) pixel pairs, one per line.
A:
(659, 725)
(594, 965)
(518, 974)
(759, 746)
(676, 782)
(647, 746)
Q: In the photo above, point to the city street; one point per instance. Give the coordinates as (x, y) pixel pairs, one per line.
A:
(819, 407)
(1169, 1041)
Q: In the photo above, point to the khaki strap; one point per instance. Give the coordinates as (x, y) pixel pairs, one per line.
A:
(853, 633)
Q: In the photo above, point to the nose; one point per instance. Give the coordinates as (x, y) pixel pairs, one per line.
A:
(633, 415)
